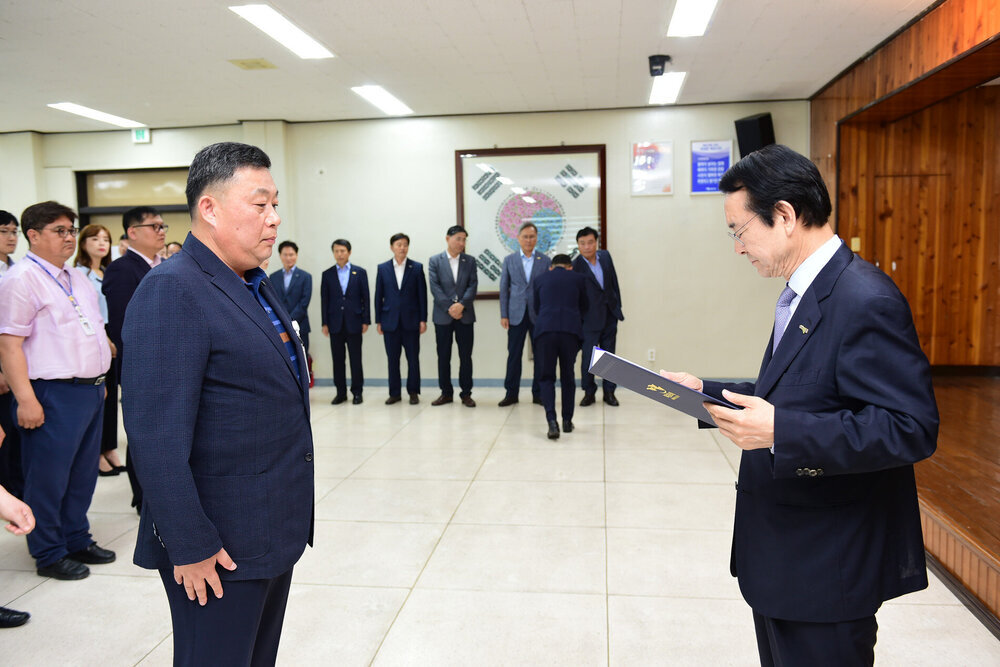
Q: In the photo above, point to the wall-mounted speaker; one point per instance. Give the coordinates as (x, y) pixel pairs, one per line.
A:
(754, 132)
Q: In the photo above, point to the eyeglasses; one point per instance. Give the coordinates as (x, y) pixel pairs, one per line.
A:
(63, 232)
(739, 232)
(8, 232)
(157, 227)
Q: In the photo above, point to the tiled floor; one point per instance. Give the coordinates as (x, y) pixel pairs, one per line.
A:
(449, 536)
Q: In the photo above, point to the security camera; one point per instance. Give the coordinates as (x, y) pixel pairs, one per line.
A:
(657, 64)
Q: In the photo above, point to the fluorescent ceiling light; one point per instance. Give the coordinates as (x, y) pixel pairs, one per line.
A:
(94, 114)
(666, 87)
(286, 33)
(383, 99)
(691, 18)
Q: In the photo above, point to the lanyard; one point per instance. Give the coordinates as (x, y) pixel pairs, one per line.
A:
(84, 322)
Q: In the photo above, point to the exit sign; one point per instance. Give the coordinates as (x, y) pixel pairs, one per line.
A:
(141, 135)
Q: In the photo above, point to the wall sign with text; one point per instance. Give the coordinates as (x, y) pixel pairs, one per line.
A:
(559, 188)
(652, 168)
(709, 161)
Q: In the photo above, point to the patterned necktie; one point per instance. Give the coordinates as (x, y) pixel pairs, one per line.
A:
(781, 314)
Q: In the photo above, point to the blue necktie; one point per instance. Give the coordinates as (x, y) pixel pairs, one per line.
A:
(781, 314)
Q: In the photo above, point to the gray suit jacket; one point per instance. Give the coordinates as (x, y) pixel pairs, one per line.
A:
(447, 291)
(516, 299)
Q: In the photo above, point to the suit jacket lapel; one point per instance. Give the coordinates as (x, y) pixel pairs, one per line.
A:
(803, 322)
(446, 268)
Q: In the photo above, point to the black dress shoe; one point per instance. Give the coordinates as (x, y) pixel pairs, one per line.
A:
(114, 472)
(537, 400)
(66, 569)
(414, 399)
(442, 399)
(588, 399)
(611, 400)
(337, 400)
(10, 618)
(507, 400)
(553, 430)
(392, 399)
(567, 426)
(357, 400)
(468, 402)
(94, 555)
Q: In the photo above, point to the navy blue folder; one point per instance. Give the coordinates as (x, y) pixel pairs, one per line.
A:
(643, 381)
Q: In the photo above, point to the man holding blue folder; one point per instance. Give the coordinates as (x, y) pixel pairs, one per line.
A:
(827, 525)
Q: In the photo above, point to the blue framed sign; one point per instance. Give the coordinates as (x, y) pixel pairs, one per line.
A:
(709, 161)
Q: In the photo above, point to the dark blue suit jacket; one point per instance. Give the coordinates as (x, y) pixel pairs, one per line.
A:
(296, 298)
(350, 309)
(560, 301)
(121, 279)
(606, 302)
(218, 424)
(828, 526)
(402, 307)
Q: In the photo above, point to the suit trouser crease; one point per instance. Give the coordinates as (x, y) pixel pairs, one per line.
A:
(463, 335)
(397, 342)
(605, 339)
(60, 467)
(243, 627)
(516, 333)
(340, 342)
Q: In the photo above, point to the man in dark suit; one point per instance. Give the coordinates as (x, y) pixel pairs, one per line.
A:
(560, 300)
(517, 311)
(216, 405)
(147, 235)
(294, 287)
(453, 280)
(827, 524)
(600, 325)
(346, 316)
(401, 315)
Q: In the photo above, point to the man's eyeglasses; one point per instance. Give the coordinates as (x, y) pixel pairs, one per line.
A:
(8, 232)
(739, 232)
(63, 232)
(157, 227)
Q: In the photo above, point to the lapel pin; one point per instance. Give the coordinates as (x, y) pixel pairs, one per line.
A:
(804, 330)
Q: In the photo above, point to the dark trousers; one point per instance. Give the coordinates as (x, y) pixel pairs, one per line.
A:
(60, 467)
(11, 473)
(339, 341)
(133, 479)
(463, 335)
(604, 339)
(109, 428)
(396, 342)
(242, 627)
(789, 643)
(561, 347)
(516, 334)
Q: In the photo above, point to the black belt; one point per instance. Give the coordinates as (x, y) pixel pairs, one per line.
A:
(97, 381)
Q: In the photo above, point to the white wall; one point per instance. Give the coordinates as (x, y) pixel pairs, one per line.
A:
(685, 293)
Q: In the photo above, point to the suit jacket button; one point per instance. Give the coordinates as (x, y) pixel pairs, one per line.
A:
(309, 456)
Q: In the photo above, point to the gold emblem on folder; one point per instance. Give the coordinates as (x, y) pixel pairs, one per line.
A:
(804, 330)
(666, 394)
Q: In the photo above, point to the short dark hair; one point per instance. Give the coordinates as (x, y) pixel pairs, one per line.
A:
(775, 173)
(37, 216)
(217, 164)
(288, 244)
(562, 260)
(135, 216)
(7, 219)
(455, 229)
(525, 226)
(587, 231)
(176, 243)
(396, 237)
(346, 244)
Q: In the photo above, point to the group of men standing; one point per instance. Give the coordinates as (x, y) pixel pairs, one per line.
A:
(400, 310)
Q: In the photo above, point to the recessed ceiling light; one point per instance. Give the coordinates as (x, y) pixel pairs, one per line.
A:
(94, 114)
(690, 18)
(286, 33)
(383, 99)
(666, 87)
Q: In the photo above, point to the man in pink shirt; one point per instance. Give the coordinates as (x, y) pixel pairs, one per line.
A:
(54, 354)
